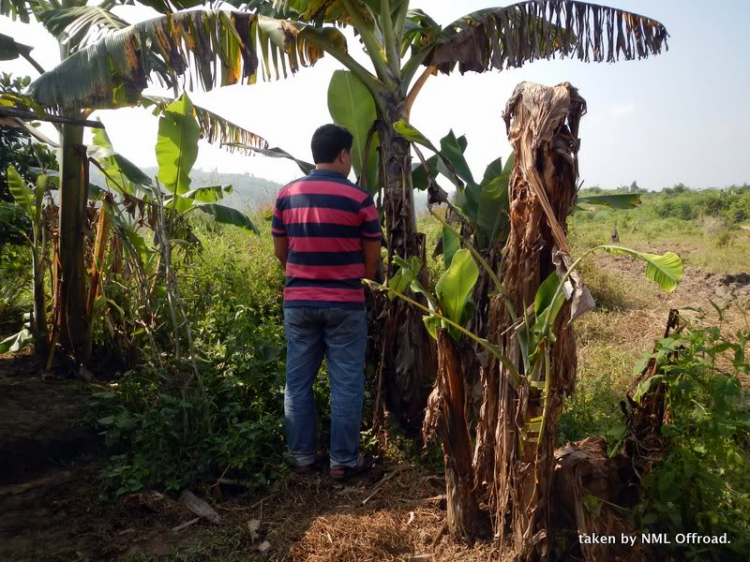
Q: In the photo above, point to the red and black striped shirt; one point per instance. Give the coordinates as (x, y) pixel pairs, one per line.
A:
(325, 217)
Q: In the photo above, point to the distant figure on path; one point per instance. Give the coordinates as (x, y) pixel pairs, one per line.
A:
(327, 236)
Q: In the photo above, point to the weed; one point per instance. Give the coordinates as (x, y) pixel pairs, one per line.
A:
(724, 238)
(703, 485)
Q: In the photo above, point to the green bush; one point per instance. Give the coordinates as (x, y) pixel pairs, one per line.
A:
(232, 291)
(232, 294)
(703, 485)
(15, 287)
(731, 204)
(232, 426)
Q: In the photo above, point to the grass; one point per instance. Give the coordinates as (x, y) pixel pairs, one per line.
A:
(630, 312)
(609, 344)
(711, 243)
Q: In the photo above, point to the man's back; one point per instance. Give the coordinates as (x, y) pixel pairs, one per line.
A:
(325, 218)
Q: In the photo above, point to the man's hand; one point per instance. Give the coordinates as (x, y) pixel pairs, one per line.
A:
(281, 248)
(371, 251)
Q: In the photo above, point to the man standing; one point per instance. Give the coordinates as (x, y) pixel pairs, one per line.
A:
(327, 236)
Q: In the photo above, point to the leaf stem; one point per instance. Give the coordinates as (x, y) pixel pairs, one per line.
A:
(359, 71)
(484, 343)
(374, 49)
(389, 37)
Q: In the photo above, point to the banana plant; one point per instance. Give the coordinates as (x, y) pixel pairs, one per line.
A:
(129, 190)
(404, 47)
(446, 316)
(30, 201)
(176, 152)
(78, 27)
(481, 206)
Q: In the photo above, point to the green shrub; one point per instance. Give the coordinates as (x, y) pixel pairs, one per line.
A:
(232, 294)
(158, 437)
(724, 238)
(15, 287)
(232, 291)
(703, 485)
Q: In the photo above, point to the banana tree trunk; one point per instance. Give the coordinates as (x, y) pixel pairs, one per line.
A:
(39, 319)
(39, 316)
(543, 130)
(408, 351)
(447, 417)
(73, 319)
(97, 263)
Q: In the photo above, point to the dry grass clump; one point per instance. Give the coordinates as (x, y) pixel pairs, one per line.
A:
(311, 519)
(713, 225)
(371, 537)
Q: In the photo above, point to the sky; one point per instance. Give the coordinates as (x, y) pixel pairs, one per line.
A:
(680, 117)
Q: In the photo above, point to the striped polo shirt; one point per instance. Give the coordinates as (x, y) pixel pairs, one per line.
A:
(325, 218)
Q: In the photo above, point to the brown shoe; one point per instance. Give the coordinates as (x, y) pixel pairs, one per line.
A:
(364, 463)
(305, 468)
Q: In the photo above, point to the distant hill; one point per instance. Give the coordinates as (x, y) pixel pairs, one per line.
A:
(249, 191)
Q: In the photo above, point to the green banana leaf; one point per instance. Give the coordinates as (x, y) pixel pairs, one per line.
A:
(121, 174)
(406, 273)
(665, 270)
(351, 105)
(22, 195)
(454, 289)
(420, 173)
(177, 145)
(95, 192)
(411, 134)
(493, 221)
(227, 215)
(10, 49)
(484, 205)
(453, 151)
(451, 244)
(547, 304)
(616, 201)
(494, 169)
(210, 194)
(179, 203)
(277, 152)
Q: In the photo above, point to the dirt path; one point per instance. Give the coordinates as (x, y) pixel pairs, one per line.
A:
(42, 423)
(635, 310)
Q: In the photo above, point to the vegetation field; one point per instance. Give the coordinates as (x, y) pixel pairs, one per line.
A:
(232, 288)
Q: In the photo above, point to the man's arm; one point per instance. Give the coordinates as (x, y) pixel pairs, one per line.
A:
(370, 237)
(371, 251)
(278, 231)
(281, 248)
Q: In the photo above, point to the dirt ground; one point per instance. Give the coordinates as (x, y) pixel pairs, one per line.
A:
(52, 505)
(641, 308)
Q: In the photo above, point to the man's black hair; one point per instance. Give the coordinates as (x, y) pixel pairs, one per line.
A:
(328, 141)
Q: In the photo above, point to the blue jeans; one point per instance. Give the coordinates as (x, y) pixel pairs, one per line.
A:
(342, 335)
